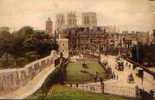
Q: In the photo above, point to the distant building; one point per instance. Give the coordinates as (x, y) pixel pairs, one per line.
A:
(130, 39)
(110, 29)
(71, 19)
(143, 37)
(49, 27)
(96, 39)
(60, 21)
(89, 19)
(90, 39)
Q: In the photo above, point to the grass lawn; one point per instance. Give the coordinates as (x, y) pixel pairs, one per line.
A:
(74, 73)
(59, 92)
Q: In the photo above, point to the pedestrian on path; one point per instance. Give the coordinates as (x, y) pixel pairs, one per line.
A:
(71, 85)
(113, 75)
(117, 77)
(77, 85)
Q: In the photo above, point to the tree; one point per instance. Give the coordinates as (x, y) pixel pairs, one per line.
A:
(138, 53)
(18, 40)
(40, 42)
(25, 45)
(6, 44)
(25, 31)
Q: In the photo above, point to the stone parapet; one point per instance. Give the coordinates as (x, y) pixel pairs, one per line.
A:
(13, 79)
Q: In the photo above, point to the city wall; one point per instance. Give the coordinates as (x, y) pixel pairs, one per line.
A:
(13, 79)
(147, 74)
(148, 77)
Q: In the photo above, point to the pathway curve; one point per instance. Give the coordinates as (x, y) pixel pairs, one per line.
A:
(118, 86)
(32, 86)
(123, 76)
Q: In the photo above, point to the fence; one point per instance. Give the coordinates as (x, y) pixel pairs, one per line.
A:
(91, 87)
(106, 88)
(119, 90)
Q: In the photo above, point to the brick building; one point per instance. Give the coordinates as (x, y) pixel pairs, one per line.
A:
(94, 40)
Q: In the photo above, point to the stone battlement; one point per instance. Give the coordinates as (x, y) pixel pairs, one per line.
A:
(13, 79)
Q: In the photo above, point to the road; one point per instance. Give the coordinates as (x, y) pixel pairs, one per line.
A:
(123, 76)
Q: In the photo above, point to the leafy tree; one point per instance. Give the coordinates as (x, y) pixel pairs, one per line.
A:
(25, 45)
(5, 44)
(138, 53)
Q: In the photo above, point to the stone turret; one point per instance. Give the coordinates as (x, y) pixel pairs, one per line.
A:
(49, 27)
(63, 45)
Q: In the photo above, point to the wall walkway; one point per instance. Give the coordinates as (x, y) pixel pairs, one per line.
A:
(22, 82)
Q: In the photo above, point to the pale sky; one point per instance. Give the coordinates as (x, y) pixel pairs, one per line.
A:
(125, 14)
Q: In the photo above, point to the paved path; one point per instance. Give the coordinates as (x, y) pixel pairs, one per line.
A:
(123, 76)
(121, 82)
(32, 86)
(118, 86)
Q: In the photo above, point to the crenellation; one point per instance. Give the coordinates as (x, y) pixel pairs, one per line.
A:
(13, 79)
(9, 77)
(24, 78)
(37, 68)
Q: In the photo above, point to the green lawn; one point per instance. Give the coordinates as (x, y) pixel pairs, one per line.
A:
(59, 92)
(74, 73)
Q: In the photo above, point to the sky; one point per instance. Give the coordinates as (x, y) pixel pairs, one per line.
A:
(125, 14)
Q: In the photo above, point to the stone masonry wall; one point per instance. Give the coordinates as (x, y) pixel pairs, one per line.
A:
(147, 75)
(12, 79)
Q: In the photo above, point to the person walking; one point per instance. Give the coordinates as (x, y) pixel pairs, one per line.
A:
(117, 77)
(113, 75)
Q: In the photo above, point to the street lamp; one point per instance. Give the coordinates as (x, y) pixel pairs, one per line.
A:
(153, 25)
(154, 20)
